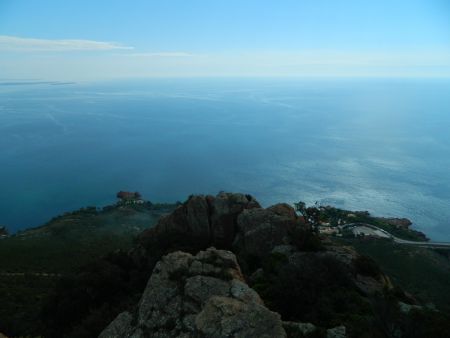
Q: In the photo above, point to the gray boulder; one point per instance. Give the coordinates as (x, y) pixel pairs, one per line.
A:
(337, 332)
(197, 296)
(229, 317)
(295, 329)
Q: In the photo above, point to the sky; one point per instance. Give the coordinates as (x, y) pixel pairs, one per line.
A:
(76, 40)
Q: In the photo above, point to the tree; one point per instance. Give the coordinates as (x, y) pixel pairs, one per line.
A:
(310, 214)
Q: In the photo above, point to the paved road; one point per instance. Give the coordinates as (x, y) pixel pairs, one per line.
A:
(402, 241)
(424, 244)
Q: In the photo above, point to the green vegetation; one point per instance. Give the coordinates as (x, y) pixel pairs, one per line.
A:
(422, 272)
(305, 240)
(22, 296)
(83, 304)
(35, 261)
(72, 276)
(366, 266)
(316, 289)
(75, 238)
(333, 216)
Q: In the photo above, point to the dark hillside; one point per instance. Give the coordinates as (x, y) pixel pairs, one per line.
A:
(33, 261)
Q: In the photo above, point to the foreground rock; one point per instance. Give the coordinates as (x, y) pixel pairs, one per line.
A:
(198, 296)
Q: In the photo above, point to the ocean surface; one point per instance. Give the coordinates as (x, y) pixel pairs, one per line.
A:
(381, 145)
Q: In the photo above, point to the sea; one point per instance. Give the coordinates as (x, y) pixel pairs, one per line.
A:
(381, 145)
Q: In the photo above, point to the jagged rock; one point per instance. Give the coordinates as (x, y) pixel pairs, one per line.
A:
(260, 230)
(208, 219)
(406, 308)
(197, 216)
(203, 296)
(337, 332)
(284, 249)
(345, 257)
(295, 329)
(370, 285)
(228, 317)
(206, 295)
(225, 209)
(283, 209)
(122, 323)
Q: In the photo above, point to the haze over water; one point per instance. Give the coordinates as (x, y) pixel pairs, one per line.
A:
(381, 145)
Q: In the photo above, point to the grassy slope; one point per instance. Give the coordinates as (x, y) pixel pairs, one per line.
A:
(59, 248)
(73, 239)
(421, 272)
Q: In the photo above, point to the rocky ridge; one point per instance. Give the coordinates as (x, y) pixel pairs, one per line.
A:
(204, 293)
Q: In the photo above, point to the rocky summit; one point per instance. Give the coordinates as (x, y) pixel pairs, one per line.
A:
(207, 219)
(203, 296)
(205, 293)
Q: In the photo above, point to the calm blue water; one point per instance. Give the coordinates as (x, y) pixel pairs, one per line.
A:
(377, 145)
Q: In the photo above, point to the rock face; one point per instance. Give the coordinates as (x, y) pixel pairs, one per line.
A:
(337, 332)
(205, 295)
(226, 221)
(207, 219)
(197, 296)
(346, 257)
(303, 329)
(260, 230)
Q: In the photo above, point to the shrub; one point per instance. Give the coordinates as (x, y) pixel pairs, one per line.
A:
(366, 266)
(305, 239)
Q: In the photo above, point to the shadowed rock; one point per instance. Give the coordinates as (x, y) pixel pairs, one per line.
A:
(208, 220)
(260, 230)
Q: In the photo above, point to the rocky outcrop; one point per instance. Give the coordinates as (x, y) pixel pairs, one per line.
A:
(407, 308)
(370, 285)
(197, 296)
(294, 329)
(205, 295)
(347, 258)
(226, 221)
(207, 219)
(228, 317)
(260, 230)
(337, 332)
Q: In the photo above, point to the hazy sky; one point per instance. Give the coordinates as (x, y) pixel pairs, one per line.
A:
(86, 39)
